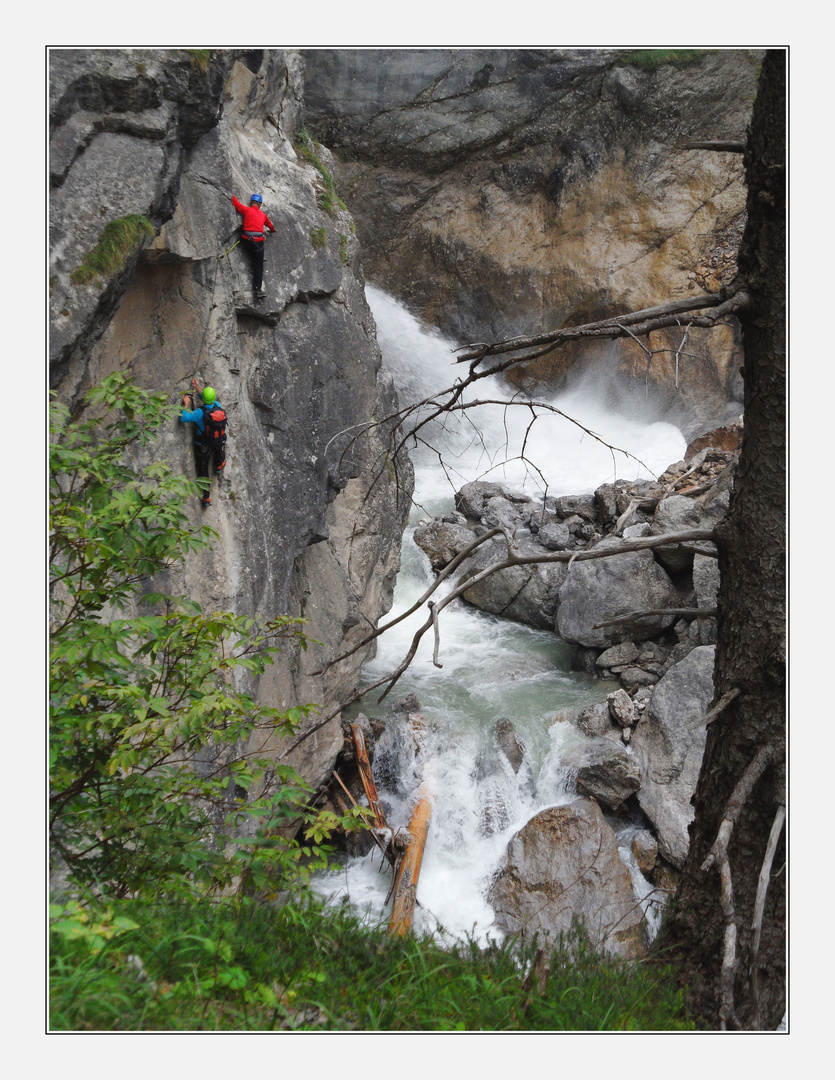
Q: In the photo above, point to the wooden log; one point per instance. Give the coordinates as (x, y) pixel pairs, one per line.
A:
(386, 850)
(367, 777)
(408, 869)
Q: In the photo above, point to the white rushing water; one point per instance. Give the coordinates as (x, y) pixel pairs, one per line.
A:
(492, 668)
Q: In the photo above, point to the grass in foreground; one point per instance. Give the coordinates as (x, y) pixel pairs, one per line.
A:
(246, 966)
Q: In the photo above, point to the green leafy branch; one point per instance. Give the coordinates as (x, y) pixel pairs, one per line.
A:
(156, 777)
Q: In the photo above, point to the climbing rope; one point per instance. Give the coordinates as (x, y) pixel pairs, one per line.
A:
(222, 255)
(219, 257)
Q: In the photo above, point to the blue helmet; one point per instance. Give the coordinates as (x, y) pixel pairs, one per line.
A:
(256, 198)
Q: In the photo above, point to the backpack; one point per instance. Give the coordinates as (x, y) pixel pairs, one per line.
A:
(215, 423)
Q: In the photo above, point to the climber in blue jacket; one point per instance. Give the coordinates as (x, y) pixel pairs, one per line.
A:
(209, 421)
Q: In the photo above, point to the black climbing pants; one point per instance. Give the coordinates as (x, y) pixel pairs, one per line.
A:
(203, 455)
(256, 254)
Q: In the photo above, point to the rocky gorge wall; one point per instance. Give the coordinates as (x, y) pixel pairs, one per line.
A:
(167, 136)
(504, 192)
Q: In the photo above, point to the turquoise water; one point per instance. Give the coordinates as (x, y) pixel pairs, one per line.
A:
(491, 667)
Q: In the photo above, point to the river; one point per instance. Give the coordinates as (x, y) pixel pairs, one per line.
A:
(492, 668)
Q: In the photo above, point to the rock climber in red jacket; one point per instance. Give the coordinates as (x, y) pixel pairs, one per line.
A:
(252, 237)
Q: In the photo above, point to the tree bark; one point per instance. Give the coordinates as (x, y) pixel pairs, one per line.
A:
(751, 641)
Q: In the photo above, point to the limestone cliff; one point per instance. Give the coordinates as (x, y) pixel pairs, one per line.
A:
(503, 192)
(163, 137)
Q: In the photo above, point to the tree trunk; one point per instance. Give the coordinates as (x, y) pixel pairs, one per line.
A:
(703, 930)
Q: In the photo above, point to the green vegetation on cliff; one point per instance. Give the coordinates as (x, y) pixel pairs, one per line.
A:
(118, 241)
(307, 149)
(650, 59)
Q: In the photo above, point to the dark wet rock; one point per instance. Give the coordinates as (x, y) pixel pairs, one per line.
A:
(509, 743)
(605, 771)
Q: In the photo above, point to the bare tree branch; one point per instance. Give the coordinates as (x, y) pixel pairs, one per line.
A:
(450, 568)
(641, 322)
(651, 613)
(718, 856)
(722, 704)
(759, 903)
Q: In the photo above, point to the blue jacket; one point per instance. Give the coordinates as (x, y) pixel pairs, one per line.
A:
(198, 417)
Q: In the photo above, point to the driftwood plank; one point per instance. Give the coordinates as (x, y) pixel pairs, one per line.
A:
(408, 869)
(367, 777)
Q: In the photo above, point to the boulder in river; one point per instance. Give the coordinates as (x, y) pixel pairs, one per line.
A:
(442, 540)
(527, 594)
(599, 590)
(562, 868)
(669, 743)
(606, 771)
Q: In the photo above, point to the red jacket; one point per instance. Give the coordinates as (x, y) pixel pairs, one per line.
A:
(254, 220)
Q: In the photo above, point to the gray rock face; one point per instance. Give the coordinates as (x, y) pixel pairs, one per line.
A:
(594, 720)
(669, 743)
(511, 191)
(705, 580)
(564, 865)
(473, 497)
(583, 505)
(621, 709)
(554, 536)
(304, 528)
(601, 589)
(121, 124)
(618, 655)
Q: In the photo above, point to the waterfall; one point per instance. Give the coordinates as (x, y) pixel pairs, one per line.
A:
(492, 668)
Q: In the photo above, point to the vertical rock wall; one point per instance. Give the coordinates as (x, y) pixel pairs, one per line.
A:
(307, 524)
(502, 192)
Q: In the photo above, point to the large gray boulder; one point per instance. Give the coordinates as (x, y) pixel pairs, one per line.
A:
(605, 771)
(442, 540)
(563, 866)
(597, 590)
(669, 743)
(678, 513)
(527, 594)
(472, 498)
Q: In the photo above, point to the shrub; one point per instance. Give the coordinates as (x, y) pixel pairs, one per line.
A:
(199, 58)
(150, 786)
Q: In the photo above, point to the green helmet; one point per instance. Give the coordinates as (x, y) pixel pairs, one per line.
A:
(208, 396)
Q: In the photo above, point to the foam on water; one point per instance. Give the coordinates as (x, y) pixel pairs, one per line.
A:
(492, 668)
